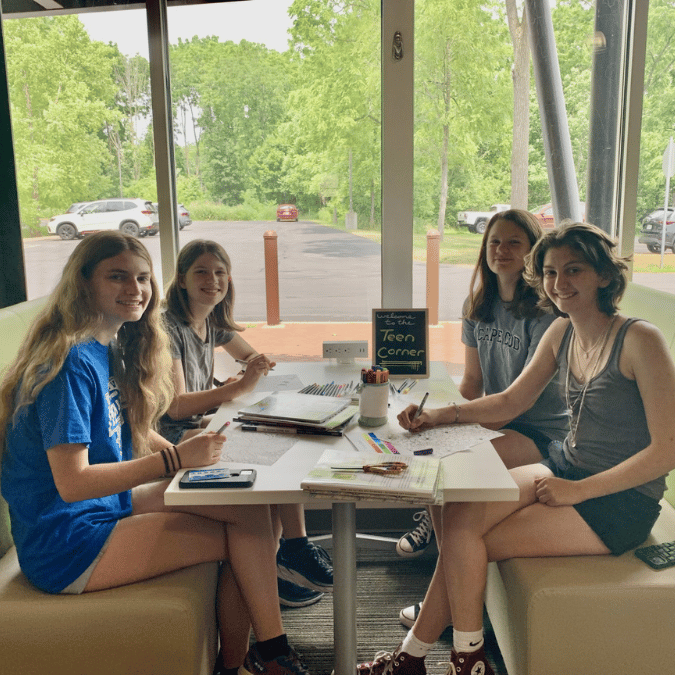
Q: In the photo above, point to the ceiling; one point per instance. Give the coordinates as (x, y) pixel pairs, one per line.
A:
(22, 8)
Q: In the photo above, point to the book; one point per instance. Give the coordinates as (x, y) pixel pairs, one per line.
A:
(419, 483)
(333, 426)
(294, 407)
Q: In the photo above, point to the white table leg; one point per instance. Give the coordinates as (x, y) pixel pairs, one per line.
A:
(344, 587)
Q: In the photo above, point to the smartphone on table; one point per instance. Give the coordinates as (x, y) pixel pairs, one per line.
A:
(217, 478)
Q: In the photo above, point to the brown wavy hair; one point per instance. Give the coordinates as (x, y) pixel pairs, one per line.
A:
(596, 247)
(484, 290)
(142, 368)
(177, 301)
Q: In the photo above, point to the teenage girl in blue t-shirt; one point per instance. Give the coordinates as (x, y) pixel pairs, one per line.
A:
(81, 459)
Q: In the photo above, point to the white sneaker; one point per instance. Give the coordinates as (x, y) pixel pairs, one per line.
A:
(415, 542)
(408, 615)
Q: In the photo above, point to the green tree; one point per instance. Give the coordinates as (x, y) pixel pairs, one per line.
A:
(61, 92)
(242, 100)
(658, 124)
(335, 105)
(463, 106)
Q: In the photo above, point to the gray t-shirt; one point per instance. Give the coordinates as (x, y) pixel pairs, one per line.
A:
(196, 356)
(505, 347)
(612, 425)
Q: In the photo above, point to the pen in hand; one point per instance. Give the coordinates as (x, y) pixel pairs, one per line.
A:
(220, 431)
(241, 362)
(418, 412)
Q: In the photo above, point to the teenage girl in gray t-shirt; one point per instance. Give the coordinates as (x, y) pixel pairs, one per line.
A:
(501, 329)
(198, 318)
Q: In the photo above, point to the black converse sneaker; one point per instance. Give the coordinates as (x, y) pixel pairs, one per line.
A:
(415, 542)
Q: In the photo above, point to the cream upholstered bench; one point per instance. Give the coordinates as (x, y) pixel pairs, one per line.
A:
(165, 625)
(600, 615)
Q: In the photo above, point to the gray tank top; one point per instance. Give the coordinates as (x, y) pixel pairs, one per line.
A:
(612, 426)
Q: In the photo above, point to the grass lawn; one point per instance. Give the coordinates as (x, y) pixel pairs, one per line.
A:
(460, 247)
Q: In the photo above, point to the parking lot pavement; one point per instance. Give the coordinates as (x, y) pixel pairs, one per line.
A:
(325, 275)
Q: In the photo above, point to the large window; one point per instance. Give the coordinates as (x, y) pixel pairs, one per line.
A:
(288, 111)
(651, 268)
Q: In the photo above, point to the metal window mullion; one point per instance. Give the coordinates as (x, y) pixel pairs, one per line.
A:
(162, 121)
(397, 155)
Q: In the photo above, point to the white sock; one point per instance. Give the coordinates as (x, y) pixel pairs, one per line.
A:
(467, 642)
(414, 646)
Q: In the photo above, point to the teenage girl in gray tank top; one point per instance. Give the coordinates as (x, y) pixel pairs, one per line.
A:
(598, 492)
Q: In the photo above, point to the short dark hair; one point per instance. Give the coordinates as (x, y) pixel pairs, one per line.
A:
(596, 247)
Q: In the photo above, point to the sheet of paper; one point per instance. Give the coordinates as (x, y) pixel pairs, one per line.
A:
(255, 447)
(279, 383)
(445, 440)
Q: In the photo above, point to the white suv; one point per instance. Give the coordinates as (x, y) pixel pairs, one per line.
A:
(132, 216)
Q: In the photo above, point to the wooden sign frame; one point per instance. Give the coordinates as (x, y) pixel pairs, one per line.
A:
(401, 342)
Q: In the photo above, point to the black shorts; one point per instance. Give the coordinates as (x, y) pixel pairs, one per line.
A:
(623, 520)
(541, 440)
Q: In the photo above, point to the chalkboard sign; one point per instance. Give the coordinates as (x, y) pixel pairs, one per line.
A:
(401, 341)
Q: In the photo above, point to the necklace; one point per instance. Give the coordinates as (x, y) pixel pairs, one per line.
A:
(574, 424)
(587, 354)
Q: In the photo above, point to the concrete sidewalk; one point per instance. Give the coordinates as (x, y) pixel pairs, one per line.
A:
(304, 341)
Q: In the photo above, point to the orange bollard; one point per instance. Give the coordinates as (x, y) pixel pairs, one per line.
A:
(271, 277)
(433, 274)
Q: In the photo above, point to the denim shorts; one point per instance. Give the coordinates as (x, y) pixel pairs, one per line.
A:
(623, 520)
(541, 440)
(175, 435)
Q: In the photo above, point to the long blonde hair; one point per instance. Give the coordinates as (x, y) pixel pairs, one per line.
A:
(143, 370)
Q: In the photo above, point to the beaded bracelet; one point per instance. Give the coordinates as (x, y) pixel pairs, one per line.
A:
(456, 412)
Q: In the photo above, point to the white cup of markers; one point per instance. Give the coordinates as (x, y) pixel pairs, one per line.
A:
(374, 399)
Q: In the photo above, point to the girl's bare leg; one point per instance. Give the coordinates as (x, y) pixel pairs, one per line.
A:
(157, 539)
(435, 615)
(514, 449)
(292, 520)
(479, 532)
(234, 623)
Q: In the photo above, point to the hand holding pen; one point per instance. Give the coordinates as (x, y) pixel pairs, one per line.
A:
(202, 449)
(256, 367)
(415, 418)
(259, 362)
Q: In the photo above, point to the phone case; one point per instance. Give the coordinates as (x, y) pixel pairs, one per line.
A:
(234, 479)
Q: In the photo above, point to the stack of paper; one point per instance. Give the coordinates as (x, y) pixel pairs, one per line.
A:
(302, 412)
(417, 484)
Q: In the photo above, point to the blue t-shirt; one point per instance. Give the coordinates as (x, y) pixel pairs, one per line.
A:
(56, 541)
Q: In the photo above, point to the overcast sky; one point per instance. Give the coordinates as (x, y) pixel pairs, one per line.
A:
(263, 21)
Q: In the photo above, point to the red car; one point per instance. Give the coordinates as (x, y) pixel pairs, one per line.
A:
(544, 214)
(287, 212)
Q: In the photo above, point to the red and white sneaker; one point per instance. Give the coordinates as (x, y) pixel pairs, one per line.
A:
(396, 663)
(469, 663)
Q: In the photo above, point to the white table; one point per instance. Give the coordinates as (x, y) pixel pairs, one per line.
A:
(478, 475)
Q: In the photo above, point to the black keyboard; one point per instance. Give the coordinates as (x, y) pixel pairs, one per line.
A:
(658, 556)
